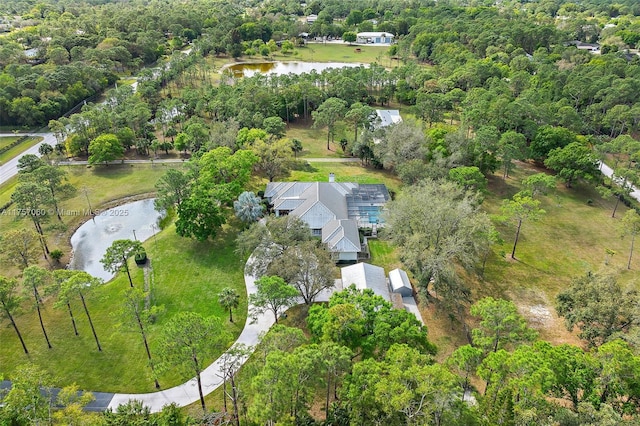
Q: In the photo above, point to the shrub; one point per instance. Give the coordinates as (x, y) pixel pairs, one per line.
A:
(56, 255)
(141, 257)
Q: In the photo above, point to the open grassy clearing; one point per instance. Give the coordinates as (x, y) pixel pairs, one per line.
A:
(187, 277)
(568, 241)
(336, 52)
(16, 150)
(314, 141)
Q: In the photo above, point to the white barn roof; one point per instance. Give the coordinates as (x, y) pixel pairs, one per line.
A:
(388, 117)
(365, 275)
(375, 34)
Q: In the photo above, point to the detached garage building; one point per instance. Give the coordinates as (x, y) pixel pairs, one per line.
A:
(399, 281)
(397, 290)
(365, 275)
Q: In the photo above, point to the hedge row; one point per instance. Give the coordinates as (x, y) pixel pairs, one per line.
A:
(13, 144)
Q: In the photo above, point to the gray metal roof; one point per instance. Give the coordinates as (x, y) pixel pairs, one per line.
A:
(326, 201)
(365, 275)
(325, 193)
(341, 236)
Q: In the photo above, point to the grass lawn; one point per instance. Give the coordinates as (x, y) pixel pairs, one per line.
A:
(569, 240)
(26, 144)
(334, 52)
(314, 141)
(7, 140)
(6, 190)
(345, 172)
(384, 254)
(187, 277)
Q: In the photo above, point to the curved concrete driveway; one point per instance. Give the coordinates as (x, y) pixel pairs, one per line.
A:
(187, 393)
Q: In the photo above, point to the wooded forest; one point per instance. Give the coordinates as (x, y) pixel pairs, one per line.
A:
(484, 87)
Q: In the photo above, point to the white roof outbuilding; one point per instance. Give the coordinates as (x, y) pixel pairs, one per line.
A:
(399, 282)
(387, 117)
(373, 34)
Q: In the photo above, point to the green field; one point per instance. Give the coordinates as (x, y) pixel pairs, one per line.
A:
(188, 277)
(334, 52)
(5, 192)
(314, 141)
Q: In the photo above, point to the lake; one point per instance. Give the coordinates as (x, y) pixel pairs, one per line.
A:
(281, 68)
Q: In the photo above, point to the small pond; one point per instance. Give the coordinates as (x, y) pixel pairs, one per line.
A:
(91, 240)
(281, 68)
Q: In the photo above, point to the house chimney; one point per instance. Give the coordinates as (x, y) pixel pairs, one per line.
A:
(332, 177)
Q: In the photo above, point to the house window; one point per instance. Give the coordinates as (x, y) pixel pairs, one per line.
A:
(316, 232)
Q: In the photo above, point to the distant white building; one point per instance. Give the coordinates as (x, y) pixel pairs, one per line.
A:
(387, 117)
(312, 18)
(374, 37)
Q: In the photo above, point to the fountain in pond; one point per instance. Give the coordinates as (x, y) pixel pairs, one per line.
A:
(136, 220)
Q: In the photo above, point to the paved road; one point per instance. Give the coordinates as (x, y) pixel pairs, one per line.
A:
(99, 405)
(10, 168)
(116, 162)
(608, 171)
(181, 160)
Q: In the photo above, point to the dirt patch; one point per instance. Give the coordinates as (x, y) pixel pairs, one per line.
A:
(444, 330)
(540, 314)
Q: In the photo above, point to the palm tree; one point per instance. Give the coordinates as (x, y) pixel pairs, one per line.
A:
(229, 299)
(248, 207)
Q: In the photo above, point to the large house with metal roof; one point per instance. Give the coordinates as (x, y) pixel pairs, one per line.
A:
(335, 211)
